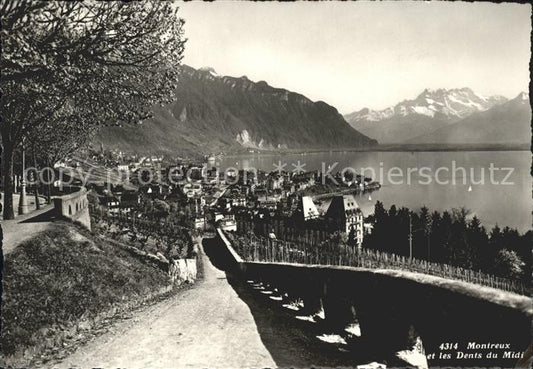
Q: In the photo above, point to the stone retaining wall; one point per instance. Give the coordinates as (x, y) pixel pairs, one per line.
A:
(394, 307)
(74, 206)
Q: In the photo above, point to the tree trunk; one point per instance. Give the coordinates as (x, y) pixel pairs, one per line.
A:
(8, 211)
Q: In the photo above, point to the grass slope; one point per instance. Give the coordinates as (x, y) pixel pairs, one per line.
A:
(64, 280)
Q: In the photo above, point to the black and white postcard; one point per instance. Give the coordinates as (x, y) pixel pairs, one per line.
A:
(239, 184)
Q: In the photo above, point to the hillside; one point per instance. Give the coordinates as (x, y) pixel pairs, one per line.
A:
(62, 285)
(218, 113)
(508, 123)
(430, 110)
(400, 129)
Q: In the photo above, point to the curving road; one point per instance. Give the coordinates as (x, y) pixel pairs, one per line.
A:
(208, 325)
(220, 322)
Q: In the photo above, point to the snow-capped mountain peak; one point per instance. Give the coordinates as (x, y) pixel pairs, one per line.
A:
(375, 115)
(444, 104)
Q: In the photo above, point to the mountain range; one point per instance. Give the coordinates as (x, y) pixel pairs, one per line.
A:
(505, 124)
(433, 110)
(215, 113)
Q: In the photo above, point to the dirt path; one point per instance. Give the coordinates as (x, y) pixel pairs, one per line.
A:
(26, 226)
(208, 325)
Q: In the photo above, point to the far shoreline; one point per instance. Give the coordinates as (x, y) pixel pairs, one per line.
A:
(386, 148)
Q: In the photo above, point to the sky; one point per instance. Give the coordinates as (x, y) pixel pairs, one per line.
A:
(363, 54)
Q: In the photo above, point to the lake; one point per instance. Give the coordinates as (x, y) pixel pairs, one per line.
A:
(494, 185)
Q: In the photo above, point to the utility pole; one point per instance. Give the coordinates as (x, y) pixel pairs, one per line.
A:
(410, 238)
(23, 201)
(36, 179)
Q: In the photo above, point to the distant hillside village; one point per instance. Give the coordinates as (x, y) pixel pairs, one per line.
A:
(299, 207)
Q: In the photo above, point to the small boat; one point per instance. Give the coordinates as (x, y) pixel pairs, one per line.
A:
(369, 198)
(469, 188)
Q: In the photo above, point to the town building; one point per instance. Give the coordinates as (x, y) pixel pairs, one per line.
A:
(305, 223)
(192, 189)
(275, 181)
(345, 214)
(111, 202)
(123, 167)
